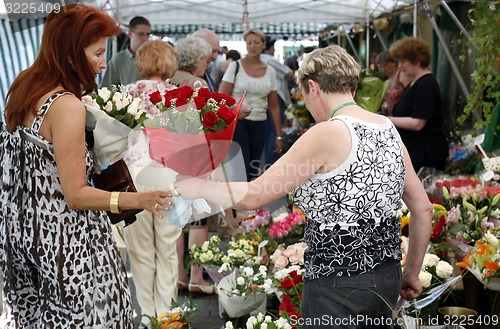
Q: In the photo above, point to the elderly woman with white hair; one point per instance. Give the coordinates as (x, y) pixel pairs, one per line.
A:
(194, 58)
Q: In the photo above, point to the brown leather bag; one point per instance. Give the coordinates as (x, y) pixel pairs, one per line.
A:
(117, 178)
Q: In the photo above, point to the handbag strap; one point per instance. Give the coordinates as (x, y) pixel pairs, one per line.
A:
(236, 71)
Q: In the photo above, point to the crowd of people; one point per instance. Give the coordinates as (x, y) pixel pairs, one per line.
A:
(59, 259)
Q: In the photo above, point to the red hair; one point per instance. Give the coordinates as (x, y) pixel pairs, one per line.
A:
(61, 60)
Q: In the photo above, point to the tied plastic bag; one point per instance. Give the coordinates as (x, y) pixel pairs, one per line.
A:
(371, 93)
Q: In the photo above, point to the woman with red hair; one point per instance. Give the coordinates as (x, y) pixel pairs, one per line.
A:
(60, 263)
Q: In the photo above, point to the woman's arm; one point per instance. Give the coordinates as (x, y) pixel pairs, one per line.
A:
(408, 123)
(66, 123)
(275, 113)
(420, 207)
(304, 159)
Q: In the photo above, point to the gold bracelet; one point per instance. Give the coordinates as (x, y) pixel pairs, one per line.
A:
(113, 203)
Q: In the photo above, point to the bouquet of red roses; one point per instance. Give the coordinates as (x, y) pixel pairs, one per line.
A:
(194, 130)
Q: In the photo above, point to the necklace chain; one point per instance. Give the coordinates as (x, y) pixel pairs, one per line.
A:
(341, 106)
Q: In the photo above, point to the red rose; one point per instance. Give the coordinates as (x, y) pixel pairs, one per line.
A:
(186, 92)
(182, 95)
(204, 93)
(226, 114)
(210, 119)
(200, 102)
(287, 283)
(219, 97)
(155, 97)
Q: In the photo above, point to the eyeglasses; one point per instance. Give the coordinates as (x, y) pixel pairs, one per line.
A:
(142, 34)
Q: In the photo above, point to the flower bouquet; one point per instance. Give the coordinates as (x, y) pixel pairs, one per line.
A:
(467, 220)
(255, 219)
(261, 321)
(288, 229)
(244, 292)
(194, 130)
(435, 277)
(484, 260)
(175, 318)
(212, 258)
(111, 115)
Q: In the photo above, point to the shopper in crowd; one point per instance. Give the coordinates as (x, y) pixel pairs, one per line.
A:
(254, 77)
(397, 81)
(283, 75)
(122, 69)
(61, 266)
(151, 240)
(418, 114)
(348, 174)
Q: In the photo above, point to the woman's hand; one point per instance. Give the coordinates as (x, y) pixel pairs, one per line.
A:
(278, 146)
(155, 201)
(244, 112)
(188, 187)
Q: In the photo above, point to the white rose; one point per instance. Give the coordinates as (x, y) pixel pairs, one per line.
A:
(430, 260)
(109, 107)
(135, 104)
(229, 325)
(126, 99)
(425, 279)
(240, 280)
(260, 317)
(104, 93)
(444, 269)
(263, 326)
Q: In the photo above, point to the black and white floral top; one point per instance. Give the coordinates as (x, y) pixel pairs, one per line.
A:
(352, 222)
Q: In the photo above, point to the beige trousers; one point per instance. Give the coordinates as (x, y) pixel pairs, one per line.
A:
(151, 247)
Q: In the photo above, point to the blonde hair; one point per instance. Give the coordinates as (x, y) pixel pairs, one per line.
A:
(256, 32)
(156, 57)
(332, 68)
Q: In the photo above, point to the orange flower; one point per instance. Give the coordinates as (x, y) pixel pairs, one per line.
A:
(466, 262)
(491, 266)
(483, 249)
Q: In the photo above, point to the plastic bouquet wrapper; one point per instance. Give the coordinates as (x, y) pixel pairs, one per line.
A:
(111, 116)
(236, 305)
(194, 132)
(192, 136)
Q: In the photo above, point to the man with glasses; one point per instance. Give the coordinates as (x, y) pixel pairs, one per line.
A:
(121, 68)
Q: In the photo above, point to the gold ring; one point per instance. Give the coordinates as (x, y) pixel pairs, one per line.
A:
(156, 205)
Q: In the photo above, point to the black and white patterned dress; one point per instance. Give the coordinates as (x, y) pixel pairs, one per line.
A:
(352, 222)
(61, 266)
